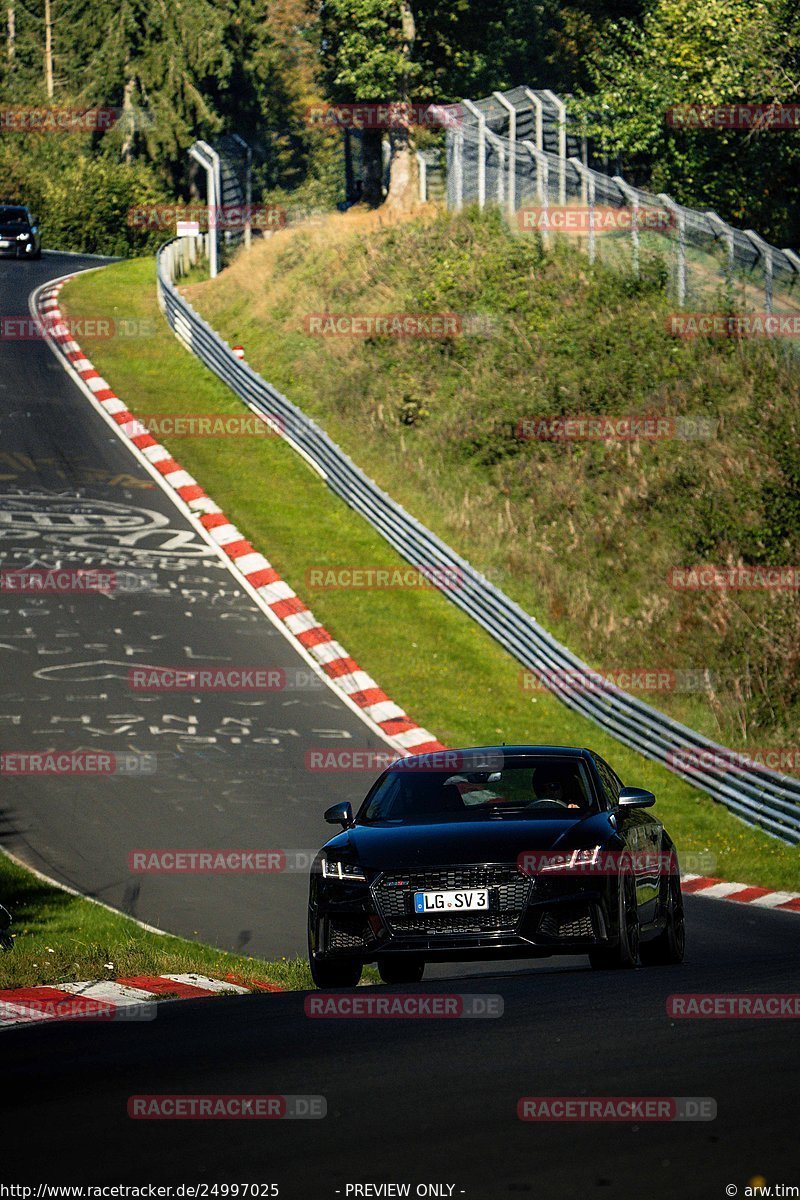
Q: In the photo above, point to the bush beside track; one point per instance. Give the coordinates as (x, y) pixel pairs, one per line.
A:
(428, 656)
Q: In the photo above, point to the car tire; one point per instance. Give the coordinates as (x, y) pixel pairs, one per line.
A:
(669, 947)
(338, 973)
(625, 953)
(401, 970)
(335, 972)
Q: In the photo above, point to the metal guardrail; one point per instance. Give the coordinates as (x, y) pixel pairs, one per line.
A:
(758, 796)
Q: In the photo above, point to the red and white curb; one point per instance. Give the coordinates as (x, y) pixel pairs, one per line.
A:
(354, 686)
(135, 998)
(741, 893)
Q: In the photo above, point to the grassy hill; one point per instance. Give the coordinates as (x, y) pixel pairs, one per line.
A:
(583, 534)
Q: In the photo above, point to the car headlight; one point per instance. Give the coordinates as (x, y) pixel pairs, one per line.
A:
(334, 868)
(574, 861)
(23, 237)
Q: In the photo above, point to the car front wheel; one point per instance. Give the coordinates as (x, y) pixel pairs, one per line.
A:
(626, 951)
(669, 947)
(338, 973)
(335, 972)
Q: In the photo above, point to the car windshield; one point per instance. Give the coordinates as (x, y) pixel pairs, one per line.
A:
(13, 216)
(544, 788)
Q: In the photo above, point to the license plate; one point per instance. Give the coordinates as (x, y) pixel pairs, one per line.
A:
(472, 900)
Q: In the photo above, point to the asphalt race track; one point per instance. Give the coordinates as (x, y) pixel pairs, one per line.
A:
(424, 1102)
(435, 1100)
(229, 767)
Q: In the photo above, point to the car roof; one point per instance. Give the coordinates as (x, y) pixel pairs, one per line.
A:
(516, 751)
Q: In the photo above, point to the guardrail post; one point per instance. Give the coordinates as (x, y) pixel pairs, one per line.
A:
(481, 120)
(680, 246)
(512, 151)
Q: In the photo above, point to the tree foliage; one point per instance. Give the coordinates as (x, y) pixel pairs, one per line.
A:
(703, 52)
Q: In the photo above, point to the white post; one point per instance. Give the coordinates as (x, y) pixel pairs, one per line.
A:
(423, 177)
(202, 153)
(725, 232)
(680, 246)
(764, 251)
(512, 150)
(481, 119)
(500, 150)
(561, 109)
(587, 189)
(458, 167)
(537, 106)
(542, 183)
(632, 196)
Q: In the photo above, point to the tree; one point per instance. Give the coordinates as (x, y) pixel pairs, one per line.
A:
(161, 62)
(703, 52)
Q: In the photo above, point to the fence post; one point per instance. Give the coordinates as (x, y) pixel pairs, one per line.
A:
(724, 231)
(764, 251)
(423, 177)
(632, 196)
(587, 187)
(481, 119)
(680, 246)
(456, 140)
(542, 183)
(561, 109)
(512, 151)
(500, 150)
(537, 105)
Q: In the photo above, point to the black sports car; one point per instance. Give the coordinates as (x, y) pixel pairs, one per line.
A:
(19, 233)
(494, 852)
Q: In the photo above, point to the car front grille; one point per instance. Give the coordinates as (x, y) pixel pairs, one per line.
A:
(508, 897)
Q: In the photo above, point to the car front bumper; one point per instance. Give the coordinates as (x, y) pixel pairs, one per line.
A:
(555, 917)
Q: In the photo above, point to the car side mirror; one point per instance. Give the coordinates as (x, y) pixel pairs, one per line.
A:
(632, 797)
(340, 814)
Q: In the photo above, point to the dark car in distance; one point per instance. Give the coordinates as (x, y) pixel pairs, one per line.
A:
(19, 233)
(494, 852)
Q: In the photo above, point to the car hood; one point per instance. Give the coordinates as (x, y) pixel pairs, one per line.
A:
(406, 847)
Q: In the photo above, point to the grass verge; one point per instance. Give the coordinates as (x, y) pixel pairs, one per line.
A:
(62, 938)
(444, 670)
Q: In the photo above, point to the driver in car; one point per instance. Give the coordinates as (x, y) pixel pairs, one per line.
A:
(548, 784)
